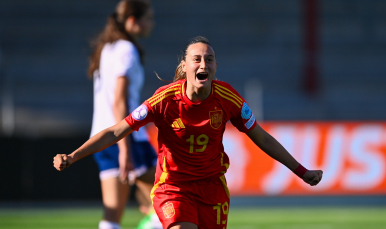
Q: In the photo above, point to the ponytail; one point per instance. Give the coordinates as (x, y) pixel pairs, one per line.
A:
(179, 74)
(115, 30)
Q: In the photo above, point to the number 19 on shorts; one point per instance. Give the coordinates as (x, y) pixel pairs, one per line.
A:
(221, 209)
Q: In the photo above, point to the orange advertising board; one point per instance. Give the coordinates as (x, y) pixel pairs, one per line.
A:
(352, 156)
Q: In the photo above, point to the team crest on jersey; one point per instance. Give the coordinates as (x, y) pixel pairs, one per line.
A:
(246, 112)
(215, 119)
(140, 113)
(168, 210)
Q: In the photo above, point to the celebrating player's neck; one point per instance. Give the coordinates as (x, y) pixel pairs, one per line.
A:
(197, 95)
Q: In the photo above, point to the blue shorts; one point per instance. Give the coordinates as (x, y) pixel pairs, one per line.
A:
(143, 156)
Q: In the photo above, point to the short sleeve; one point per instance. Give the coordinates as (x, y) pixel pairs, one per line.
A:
(141, 116)
(244, 119)
(237, 110)
(126, 58)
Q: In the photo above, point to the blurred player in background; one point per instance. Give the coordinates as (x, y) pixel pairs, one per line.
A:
(116, 68)
(191, 114)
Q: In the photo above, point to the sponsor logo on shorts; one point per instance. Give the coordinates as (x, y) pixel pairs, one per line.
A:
(168, 210)
(140, 113)
(250, 122)
(246, 112)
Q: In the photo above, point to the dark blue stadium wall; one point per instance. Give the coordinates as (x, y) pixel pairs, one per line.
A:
(46, 99)
(44, 48)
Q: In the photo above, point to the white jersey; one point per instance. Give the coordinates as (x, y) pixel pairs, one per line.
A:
(120, 58)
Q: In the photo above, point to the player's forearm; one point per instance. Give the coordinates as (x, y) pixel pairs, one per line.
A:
(95, 144)
(272, 147)
(101, 140)
(275, 150)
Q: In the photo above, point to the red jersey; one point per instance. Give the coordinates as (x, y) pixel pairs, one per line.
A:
(190, 134)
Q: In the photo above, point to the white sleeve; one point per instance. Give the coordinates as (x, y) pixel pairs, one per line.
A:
(126, 58)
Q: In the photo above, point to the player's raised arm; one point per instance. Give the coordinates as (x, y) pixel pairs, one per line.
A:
(275, 150)
(96, 143)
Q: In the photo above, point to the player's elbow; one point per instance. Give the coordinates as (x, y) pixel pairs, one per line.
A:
(120, 130)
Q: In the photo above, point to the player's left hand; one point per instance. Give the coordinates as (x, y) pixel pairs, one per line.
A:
(313, 177)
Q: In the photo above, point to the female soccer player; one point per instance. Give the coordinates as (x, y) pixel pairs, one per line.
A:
(190, 191)
(116, 68)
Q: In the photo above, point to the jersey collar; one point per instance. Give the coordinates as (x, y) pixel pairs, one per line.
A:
(188, 101)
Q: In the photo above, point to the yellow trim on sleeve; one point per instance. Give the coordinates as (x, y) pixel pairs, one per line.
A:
(229, 91)
(225, 97)
(163, 97)
(155, 97)
(228, 94)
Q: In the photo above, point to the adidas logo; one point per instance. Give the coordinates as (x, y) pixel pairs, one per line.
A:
(178, 124)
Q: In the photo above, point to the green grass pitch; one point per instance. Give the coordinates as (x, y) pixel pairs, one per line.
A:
(239, 218)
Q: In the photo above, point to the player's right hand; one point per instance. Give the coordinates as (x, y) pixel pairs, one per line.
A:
(125, 166)
(61, 162)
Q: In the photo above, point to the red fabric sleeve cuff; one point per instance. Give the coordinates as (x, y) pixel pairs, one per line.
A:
(132, 126)
(300, 171)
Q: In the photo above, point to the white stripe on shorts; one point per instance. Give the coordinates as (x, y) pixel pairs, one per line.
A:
(109, 173)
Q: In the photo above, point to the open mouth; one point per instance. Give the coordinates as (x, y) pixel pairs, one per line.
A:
(202, 76)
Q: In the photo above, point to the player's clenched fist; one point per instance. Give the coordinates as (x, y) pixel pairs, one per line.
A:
(313, 177)
(61, 162)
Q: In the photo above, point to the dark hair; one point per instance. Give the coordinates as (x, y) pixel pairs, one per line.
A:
(180, 74)
(115, 30)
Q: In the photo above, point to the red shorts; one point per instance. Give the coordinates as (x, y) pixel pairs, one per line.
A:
(203, 202)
